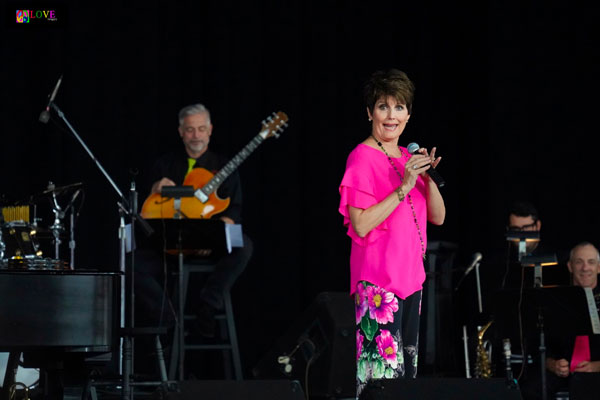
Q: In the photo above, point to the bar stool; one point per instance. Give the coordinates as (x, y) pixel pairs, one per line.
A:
(227, 331)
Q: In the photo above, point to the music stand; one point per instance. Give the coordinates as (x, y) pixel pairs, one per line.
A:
(569, 303)
(183, 237)
(562, 310)
(177, 192)
(522, 238)
(537, 262)
(559, 304)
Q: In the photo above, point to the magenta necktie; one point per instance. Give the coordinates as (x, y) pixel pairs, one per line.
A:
(581, 351)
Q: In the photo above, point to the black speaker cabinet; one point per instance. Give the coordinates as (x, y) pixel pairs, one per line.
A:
(321, 341)
(236, 390)
(443, 388)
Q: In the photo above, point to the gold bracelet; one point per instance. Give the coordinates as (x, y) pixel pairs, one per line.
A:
(400, 193)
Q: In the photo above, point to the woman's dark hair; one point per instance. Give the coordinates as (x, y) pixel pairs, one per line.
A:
(393, 83)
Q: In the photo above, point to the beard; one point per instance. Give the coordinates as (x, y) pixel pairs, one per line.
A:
(197, 146)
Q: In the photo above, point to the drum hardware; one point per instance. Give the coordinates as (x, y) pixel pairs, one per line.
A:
(57, 228)
(35, 263)
(20, 250)
(20, 229)
(18, 240)
(52, 189)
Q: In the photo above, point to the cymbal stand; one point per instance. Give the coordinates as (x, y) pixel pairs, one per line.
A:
(72, 228)
(57, 228)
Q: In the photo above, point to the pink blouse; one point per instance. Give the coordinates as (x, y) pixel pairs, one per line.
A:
(389, 256)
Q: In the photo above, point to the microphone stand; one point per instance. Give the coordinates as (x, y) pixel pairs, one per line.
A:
(128, 208)
(479, 302)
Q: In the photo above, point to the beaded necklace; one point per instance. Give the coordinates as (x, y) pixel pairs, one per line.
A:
(412, 207)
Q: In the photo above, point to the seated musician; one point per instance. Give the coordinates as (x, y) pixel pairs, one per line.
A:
(574, 362)
(506, 270)
(195, 130)
(501, 272)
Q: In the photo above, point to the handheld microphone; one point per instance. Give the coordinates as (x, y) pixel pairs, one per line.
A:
(476, 258)
(45, 115)
(413, 148)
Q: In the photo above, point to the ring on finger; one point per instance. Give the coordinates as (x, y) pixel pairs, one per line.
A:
(415, 166)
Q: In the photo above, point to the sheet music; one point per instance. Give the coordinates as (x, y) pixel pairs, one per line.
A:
(233, 234)
(589, 295)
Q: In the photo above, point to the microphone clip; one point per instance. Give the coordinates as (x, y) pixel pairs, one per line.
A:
(45, 114)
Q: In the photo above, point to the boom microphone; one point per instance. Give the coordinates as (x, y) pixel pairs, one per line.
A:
(45, 115)
(476, 258)
(413, 148)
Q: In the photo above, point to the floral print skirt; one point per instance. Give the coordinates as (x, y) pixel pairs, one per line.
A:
(387, 334)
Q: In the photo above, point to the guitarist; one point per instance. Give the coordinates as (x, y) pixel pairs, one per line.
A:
(195, 130)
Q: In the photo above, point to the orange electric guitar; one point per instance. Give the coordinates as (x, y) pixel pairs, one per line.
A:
(205, 203)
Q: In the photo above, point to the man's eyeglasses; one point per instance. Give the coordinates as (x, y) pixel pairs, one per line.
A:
(530, 227)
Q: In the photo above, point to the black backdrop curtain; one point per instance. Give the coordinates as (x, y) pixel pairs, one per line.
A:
(505, 90)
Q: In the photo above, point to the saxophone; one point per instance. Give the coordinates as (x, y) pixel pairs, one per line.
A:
(483, 368)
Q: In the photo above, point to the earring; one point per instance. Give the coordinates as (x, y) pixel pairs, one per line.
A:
(370, 119)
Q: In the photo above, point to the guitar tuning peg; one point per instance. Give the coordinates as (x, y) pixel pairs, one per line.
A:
(276, 135)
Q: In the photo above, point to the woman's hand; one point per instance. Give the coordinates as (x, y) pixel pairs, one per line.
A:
(434, 161)
(418, 165)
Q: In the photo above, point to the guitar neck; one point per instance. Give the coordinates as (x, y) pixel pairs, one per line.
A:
(232, 165)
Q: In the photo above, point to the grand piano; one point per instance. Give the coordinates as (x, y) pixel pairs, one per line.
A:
(64, 322)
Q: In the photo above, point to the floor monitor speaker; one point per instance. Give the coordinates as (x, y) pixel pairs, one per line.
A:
(318, 349)
(237, 390)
